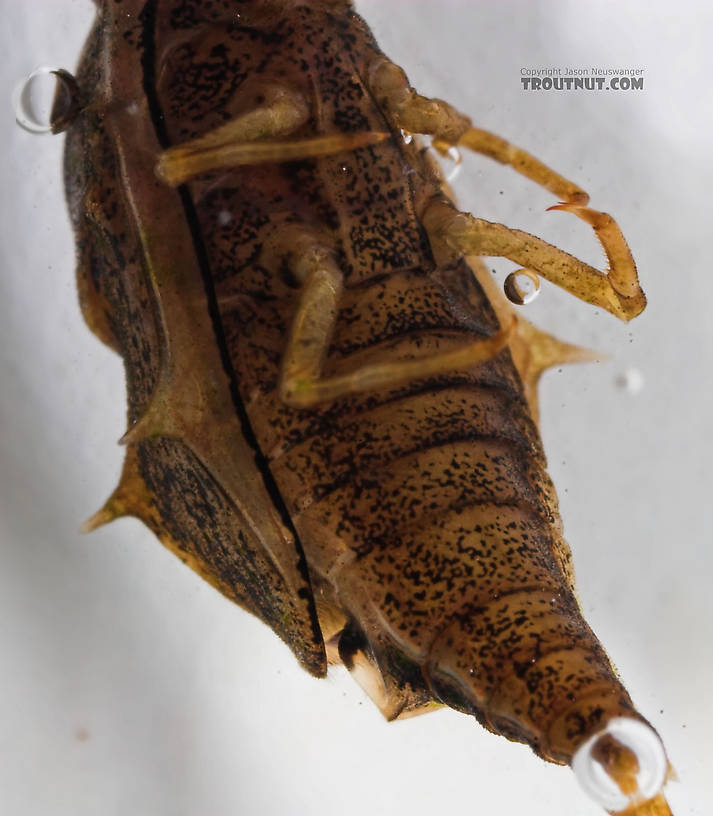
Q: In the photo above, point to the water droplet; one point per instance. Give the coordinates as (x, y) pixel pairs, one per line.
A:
(47, 101)
(631, 381)
(616, 787)
(452, 155)
(521, 287)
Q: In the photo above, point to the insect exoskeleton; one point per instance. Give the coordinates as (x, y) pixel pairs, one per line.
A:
(332, 414)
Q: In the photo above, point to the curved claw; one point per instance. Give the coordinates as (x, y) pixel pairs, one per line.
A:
(595, 218)
(577, 201)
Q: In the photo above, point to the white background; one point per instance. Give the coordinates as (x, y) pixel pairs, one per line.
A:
(128, 686)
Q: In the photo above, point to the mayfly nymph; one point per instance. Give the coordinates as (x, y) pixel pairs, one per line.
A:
(331, 408)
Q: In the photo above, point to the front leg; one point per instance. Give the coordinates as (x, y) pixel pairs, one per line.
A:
(420, 114)
(262, 135)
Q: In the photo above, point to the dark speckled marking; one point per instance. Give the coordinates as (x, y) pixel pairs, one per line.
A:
(425, 511)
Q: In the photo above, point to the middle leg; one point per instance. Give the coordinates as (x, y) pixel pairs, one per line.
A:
(454, 233)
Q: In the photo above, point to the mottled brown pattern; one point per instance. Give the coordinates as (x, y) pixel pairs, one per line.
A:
(424, 512)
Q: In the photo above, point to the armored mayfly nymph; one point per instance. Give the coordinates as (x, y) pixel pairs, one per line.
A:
(332, 410)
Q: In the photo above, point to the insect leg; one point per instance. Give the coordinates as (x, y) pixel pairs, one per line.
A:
(491, 145)
(617, 290)
(283, 111)
(420, 114)
(245, 140)
(301, 384)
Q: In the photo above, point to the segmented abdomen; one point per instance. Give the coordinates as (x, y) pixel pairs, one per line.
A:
(425, 513)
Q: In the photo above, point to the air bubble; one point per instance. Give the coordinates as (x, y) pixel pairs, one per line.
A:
(47, 101)
(451, 154)
(631, 381)
(636, 757)
(521, 287)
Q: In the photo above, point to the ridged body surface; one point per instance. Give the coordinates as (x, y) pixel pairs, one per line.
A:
(424, 527)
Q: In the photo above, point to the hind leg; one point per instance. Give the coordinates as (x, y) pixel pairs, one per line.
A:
(302, 384)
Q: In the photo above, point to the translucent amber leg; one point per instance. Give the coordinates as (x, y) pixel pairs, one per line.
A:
(482, 141)
(617, 290)
(419, 114)
(312, 329)
(247, 140)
